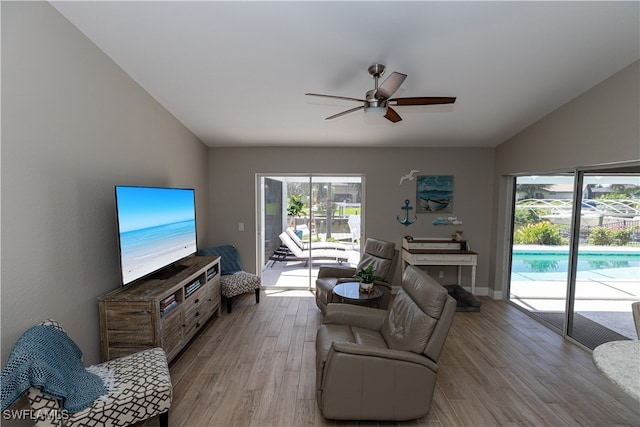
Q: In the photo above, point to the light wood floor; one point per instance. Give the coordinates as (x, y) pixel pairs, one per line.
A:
(499, 367)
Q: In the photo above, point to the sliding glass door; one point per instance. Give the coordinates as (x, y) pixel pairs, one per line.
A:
(607, 277)
(320, 216)
(543, 211)
(575, 259)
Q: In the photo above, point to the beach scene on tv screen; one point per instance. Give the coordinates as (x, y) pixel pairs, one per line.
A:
(157, 227)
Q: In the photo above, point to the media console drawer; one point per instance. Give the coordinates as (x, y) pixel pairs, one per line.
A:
(198, 309)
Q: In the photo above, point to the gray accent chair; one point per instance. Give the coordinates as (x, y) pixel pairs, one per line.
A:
(383, 255)
(381, 365)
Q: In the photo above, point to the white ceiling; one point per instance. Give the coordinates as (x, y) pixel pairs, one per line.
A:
(235, 73)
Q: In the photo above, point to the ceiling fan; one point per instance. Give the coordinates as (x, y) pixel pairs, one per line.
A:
(379, 98)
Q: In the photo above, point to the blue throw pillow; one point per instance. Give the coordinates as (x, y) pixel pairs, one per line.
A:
(230, 262)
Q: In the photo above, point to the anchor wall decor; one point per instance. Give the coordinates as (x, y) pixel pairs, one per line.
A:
(406, 221)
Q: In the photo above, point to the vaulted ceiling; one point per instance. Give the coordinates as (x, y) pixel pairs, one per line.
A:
(236, 73)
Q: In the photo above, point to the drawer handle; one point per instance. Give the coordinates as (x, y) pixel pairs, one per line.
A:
(197, 314)
(197, 300)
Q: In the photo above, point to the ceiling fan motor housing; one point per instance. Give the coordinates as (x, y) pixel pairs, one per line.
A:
(373, 102)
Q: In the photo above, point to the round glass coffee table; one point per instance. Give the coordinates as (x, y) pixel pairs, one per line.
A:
(349, 292)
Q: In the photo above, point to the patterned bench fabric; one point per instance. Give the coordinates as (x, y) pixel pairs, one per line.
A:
(239, 283)
(145, 390)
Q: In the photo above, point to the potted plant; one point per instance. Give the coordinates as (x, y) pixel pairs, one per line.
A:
(368, 276)
(295, 209)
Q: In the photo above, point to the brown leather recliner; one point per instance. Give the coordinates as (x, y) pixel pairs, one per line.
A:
(381, 365)
(383, 255)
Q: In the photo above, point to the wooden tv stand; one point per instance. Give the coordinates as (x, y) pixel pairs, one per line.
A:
(160, 313)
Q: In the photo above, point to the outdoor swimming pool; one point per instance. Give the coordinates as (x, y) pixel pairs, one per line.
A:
(622, 264)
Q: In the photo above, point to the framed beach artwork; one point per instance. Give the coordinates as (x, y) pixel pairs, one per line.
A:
(434, 193)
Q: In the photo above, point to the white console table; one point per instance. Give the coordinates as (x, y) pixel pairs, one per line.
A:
(415, 253)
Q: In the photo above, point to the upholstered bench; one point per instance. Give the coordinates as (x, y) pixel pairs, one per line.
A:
(140, 389)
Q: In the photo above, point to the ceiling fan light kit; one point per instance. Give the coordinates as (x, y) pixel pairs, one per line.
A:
(376, 111)
(378, 100)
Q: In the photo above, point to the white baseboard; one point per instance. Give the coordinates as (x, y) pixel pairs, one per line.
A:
(484, 291)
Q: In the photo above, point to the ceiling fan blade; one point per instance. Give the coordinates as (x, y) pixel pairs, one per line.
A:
(336, 97)
(392, 115)
(424, 100)
(345, 112)
(390, 85)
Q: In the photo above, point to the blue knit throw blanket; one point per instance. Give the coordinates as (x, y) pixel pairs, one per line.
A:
(46, 358)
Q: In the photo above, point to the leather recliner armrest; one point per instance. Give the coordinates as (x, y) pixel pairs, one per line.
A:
(355, 315)
(383, 283)
(387, 353)
(339, 272)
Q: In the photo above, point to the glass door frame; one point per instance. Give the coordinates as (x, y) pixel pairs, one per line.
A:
(567, 330)
(551, 322)
(313, 178)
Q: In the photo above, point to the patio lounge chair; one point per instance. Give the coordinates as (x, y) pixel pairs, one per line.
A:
(314, 245)
(294, 253)
(354, 228)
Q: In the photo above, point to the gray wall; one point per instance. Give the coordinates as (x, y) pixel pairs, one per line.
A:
(601, 126)
(233, 180)
(74, 125)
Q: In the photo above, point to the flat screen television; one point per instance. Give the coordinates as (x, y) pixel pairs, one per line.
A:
(156, 229)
